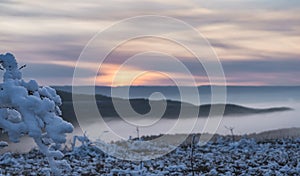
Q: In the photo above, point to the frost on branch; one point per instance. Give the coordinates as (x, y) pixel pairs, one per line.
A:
(28, 109)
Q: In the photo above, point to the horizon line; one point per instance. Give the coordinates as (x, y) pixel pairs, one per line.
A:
(176, 86)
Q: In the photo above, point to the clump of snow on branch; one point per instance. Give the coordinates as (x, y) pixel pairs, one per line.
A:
(29, 109)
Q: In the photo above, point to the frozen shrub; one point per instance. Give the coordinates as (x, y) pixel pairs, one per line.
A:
(29, 109)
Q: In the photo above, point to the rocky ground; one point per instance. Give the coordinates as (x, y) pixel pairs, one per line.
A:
(222, 157)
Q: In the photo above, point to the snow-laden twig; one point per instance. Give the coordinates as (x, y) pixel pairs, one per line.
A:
(29, 109)
(3, 144)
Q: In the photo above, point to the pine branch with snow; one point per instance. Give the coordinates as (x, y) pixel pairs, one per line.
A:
(29, 109)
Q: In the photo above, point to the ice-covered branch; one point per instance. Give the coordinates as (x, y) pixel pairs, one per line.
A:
(27, 108)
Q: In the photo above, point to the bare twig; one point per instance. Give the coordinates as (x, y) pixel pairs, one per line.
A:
(138, 132)
(231, 131)
(23, 66)
(192, 154)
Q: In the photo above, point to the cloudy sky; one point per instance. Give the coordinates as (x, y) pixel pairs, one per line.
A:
(257, 41)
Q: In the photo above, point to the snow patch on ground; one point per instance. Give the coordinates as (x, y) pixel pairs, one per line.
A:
(223, 157)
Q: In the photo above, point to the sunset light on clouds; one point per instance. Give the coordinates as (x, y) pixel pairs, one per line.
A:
(257, 41)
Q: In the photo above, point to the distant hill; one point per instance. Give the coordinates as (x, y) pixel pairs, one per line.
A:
(142, 106)
(265, 136)
(234, 94)
(276, 134)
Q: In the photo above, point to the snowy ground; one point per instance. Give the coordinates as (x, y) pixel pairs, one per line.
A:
(245, 157)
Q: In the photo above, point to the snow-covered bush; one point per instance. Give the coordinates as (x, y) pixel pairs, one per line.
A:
(27, 108)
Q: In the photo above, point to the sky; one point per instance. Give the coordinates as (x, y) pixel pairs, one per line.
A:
(257, 41)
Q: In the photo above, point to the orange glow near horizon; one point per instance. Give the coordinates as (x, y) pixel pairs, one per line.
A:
(113, 76)
(123, 75)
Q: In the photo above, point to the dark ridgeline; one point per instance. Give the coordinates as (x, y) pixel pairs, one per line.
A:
(236, 94)
(142, 106)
